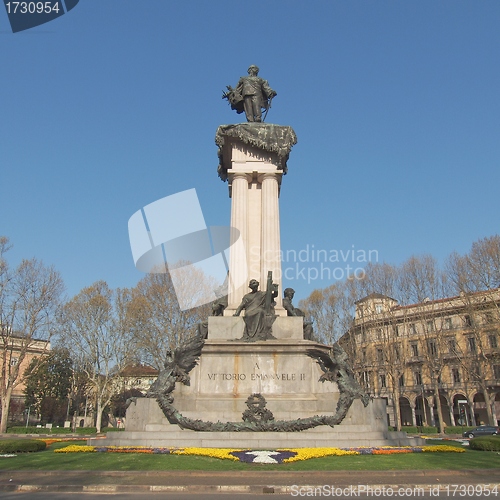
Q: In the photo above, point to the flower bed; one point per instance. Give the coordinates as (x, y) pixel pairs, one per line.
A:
(262, 456)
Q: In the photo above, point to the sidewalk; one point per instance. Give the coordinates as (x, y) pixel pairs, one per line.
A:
(238, 481)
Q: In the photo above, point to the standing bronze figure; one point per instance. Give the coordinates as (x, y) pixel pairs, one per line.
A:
(251, 95)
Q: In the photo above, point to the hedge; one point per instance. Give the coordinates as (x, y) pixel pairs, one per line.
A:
(458, 429)
(485, 443)
(54, 430)
(412, 429)
(21, 445)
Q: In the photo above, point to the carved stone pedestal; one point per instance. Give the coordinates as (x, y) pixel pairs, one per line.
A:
(287, 378)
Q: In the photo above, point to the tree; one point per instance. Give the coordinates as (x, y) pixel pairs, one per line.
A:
(29, 298)
(331, 310)
(48, 384)
(476, 278)
(422, 284)
(98, 333)
(380, 329)
(159, 323)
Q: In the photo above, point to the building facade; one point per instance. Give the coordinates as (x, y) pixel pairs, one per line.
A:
(13, 349)
(438, 360)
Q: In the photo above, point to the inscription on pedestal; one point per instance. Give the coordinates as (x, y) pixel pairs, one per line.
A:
(257, 376)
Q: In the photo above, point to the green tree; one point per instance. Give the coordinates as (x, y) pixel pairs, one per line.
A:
(48, 385)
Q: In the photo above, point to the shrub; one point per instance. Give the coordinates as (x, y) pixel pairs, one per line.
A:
(457, 429)
(412, 429)
(54, 430)
(86, 430)
(485, 443)
(112, 429)
(27, 430)
(21, 445)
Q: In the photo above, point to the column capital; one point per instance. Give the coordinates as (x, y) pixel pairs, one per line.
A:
(239, 175)
(263, 176)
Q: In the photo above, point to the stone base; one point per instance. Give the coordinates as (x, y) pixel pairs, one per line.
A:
(232, 327)
(229, 371)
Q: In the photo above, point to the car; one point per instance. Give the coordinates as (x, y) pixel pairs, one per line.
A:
(482, 430)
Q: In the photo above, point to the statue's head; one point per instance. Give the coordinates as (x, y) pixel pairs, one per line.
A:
(289, 292)
(253, 284)
(253, 70)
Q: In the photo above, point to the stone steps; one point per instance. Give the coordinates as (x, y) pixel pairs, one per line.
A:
(312, 438)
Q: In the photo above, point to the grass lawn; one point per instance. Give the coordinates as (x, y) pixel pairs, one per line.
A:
(48, 460)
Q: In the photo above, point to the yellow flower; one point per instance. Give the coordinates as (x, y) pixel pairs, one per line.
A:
(440, 448)
(223, 453)
(307, 453)
(74, 448)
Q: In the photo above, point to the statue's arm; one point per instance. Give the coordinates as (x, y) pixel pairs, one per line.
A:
(289, 307)
(268, 91)
(240, 308)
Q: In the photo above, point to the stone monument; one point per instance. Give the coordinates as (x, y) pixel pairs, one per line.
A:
(252, 377)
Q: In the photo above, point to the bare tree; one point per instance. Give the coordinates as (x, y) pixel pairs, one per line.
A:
(97, 331)
(29, 298)
(476, 278)
(159, 323)
(422, 284)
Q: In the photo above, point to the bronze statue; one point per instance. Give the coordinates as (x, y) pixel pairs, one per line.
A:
(259, 311)
(336, 368)
(251, 95)
(295, 311)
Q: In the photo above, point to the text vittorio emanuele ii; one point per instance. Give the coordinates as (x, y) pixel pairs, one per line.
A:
(278, 376)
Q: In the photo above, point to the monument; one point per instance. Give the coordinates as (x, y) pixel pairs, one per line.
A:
(252, 376)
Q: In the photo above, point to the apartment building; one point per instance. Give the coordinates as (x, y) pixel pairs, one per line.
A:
(438, 359)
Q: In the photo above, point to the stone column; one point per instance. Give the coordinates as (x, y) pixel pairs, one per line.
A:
(238, 253)
(270, 256)
(413, 419)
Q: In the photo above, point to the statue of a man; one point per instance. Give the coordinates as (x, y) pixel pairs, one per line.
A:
(252, 94)
(295, 311)
(258, 321)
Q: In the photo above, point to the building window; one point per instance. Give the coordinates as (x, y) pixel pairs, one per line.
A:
(430, 326)
(455, 375)
(493, 341)
(413, 329)
(401, 381)
(452, 345)
(363, 355)
(431, 346)
(489, 317)
(383, 382)
(366, 379)
(496, 371)
(476, 372)
(448, 324)
(397, 352)
(14, 361)
(379, 309)
(471, 344)
(380, 355)
(418, 378)
(414, 349)
(468, 321)
(397, 333)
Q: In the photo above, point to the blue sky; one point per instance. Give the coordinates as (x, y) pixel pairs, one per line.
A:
(395, 104)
